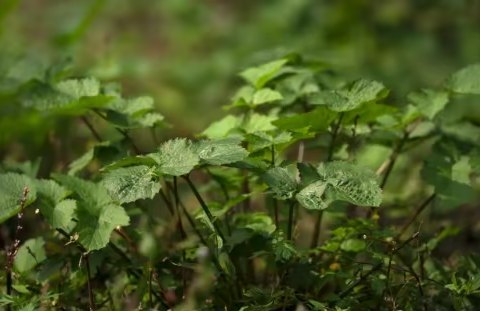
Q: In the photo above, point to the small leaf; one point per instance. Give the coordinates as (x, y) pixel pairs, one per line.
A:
(11, 191)
(132, 183)
(311, 196)
(265, 95)
(176, 157)
(257, 123)
(465, 81)
(429, 102)
(221, 151)
(281, 181)
(221, 128)
(259, 76)
(24, 260)
(353, 245)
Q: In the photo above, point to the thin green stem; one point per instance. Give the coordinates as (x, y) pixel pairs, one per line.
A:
(204, 206)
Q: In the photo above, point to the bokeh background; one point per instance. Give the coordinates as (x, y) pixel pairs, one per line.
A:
(186, 54)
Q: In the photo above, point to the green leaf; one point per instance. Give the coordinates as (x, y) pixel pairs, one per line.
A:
(72, 96)
(60, 215)
(351, 183)
(281, 181)
(81, 162)
(96, 212)
(317, 120)
(221, 128)
(466, 80)
(11, 192)
(91, 194)
(259, 76)
(95, 225)
(221, 151)
(29, 168)
(24, 260)
(310, 197)
(257, 123)
(308, 173)
(429, 102)
(353, 245)
(351, 97)
(57, 211)
(265, 95)
(134, 113)
(130, 184)
(261, 140)
(147, 160)
(176, 157)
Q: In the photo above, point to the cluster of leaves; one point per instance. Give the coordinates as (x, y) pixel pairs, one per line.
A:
(214, 257)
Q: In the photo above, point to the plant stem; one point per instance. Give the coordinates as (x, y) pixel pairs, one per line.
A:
(376, 267)
(204, 206)
(290, 219)
(89, 283)
(122, 132)
(150, 300)
(418, 211)
(335, 129)
(245, 190)
(316, 231)
(91, 128)
(275, 212)
(180, 227)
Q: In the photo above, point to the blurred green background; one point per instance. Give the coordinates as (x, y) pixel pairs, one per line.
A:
(186, 53)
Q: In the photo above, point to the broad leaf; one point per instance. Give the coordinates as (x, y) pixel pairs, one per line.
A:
(221, 151)
(221, 128)
(11, 192)
(257, 122)
(259, 76)
(97, 213)
(72, 96)
(351, 97)
(429, 102)
(317, 120)
(265, 95)
(132, 183)
(261, 140)
(281, 181)
(176, 157)
(466, 80)
(30, 254)
(310, 197)
(56, 210)
(350, 183)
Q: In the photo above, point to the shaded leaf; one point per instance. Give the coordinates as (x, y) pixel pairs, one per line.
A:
(25, 261)
(281, 181)
(11, 191)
